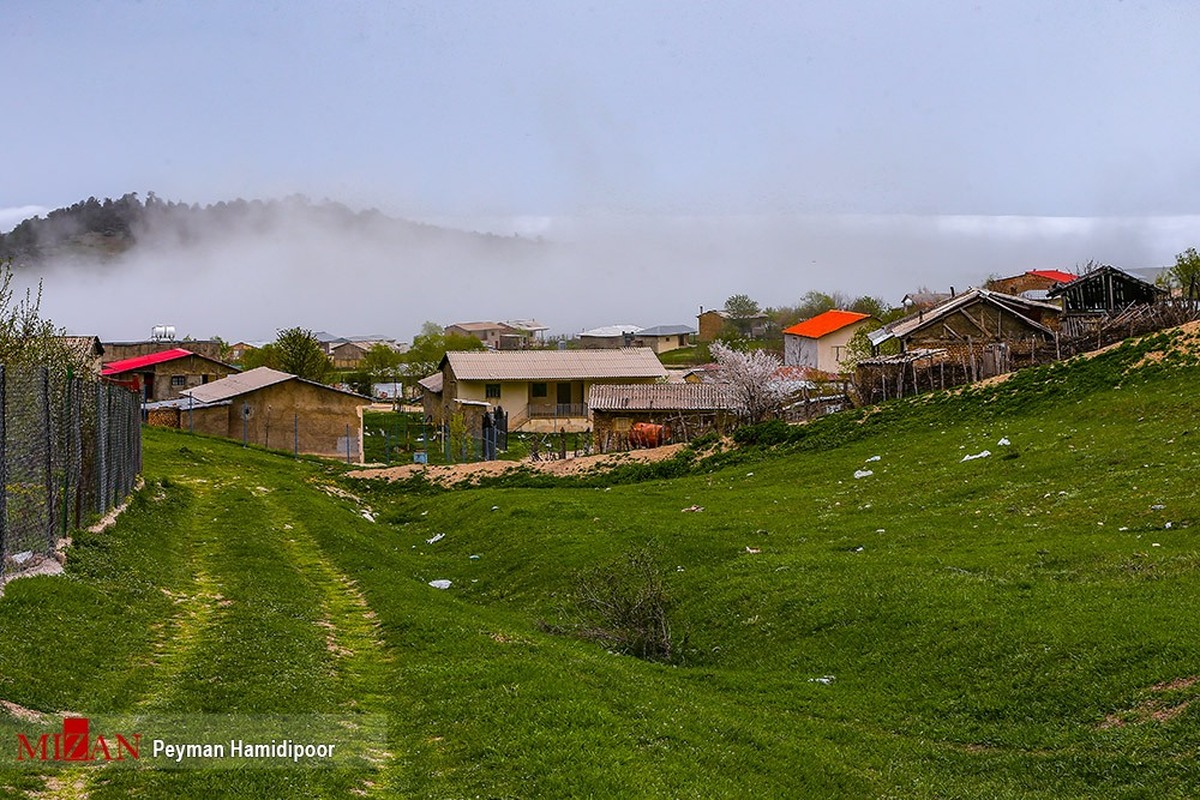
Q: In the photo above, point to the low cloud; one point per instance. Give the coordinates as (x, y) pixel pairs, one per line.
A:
(579, 272)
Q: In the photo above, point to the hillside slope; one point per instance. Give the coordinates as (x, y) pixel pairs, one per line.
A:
(1021, 624)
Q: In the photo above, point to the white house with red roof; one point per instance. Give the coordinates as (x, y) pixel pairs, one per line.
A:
(821, 341)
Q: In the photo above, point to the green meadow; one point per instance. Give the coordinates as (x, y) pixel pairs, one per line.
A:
(1019, 624)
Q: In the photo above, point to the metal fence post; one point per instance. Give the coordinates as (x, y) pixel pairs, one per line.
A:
(3, 470)
(101, 448)
(348, 461)
(296, 435)
(48, 442)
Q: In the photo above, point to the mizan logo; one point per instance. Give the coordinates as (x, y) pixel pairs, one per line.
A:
(75, 744)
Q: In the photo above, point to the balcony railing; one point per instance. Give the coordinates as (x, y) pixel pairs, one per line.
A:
(543, 410)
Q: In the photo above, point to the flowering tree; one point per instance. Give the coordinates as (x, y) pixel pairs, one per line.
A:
(754, 380)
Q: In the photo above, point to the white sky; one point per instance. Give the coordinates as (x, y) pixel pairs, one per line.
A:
(967, 129)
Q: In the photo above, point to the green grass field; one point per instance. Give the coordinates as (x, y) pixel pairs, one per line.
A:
(1018, 625)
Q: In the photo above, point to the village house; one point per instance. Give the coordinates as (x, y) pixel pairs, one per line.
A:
(664, 338)
(273, 409)
(989, 331)
(123, 351)
(165, 375)
(1033, 283)
(822, 342)
(347, 355)
(536, 386)
(496, 335)
(715, 322)
(608, 337)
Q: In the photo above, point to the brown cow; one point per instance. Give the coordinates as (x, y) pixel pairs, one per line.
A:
(648, 434)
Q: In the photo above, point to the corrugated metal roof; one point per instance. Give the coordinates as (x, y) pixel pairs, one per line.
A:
(432, 383)
(663, 397)
(252, 380)
(538, 365)
(611, 331)
(825, 324)
(667, 330)
(1053, 275)
(1010, 303)
(141, 362)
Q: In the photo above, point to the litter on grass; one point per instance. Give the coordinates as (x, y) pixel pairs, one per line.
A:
(862, 473)
(692, 508)
(440, 583)
(437, 538)
(368, 516)
(1004, 442)
(824, 679)
(873, 458)
(983, 454)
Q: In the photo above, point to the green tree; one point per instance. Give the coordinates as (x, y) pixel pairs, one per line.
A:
(1186, 273)
(301, 354)
(430, 345)
(740, 306)
(381, 362)
(26, 338)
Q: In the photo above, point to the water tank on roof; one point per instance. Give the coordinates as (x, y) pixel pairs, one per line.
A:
(162, 333)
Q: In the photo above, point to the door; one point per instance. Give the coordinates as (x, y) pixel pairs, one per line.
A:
(563, 398)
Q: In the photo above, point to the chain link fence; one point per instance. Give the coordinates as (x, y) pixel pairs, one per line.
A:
(70, 450)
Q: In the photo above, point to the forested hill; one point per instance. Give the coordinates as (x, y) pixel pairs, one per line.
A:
(103, 229)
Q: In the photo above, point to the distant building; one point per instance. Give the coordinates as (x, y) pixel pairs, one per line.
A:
(712, 324)
(608, 337)
(664, 338)
(1034, 280)
(496, 335)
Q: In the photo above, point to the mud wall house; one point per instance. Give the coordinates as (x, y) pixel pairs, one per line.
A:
(822, 342)
(347, 355)
(1034, 280)
(166, 375)
(713, 323)
(431, 397)
(689, 409)
(536, 387)
(664, 338)
(610, 337)
(122, 351)
(281, 411)
(986, 332)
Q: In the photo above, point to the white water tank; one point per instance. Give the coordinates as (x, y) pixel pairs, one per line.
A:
(162, 333)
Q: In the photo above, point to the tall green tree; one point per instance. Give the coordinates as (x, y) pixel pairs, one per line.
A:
(299, 353)
(430, 345)
(740, 306)
(1186, 273)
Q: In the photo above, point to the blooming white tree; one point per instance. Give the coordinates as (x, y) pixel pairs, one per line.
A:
(754, 379)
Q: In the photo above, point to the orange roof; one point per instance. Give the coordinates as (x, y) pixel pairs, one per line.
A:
(825, 324)
(1054, 275)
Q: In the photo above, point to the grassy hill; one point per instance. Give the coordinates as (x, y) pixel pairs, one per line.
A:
(1022, 624)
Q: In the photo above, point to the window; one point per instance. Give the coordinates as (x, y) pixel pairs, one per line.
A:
(178, 380)
(538, 390)
(491, 391)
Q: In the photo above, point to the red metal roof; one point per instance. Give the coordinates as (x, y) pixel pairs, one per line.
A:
(1054, 275)
(130, 364)
(824, 324)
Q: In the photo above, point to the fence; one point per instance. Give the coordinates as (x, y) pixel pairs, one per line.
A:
(69, 450)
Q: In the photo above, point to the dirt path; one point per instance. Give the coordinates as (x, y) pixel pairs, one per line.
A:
(450, 475)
